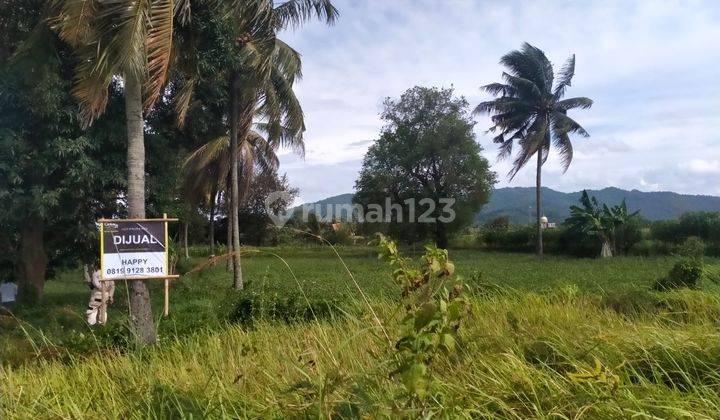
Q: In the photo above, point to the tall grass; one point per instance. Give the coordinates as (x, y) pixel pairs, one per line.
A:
(518, 354)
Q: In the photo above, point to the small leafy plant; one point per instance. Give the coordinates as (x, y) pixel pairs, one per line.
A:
(687, 272)
(433, 314)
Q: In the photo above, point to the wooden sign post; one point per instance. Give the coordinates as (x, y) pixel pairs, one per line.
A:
(135, 249)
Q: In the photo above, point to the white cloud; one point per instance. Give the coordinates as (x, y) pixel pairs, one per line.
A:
(700, 166)
(650, 69)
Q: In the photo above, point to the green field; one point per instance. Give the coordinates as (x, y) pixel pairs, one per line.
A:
(532, 325)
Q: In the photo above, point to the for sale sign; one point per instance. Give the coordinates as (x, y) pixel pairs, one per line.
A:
(133, 249)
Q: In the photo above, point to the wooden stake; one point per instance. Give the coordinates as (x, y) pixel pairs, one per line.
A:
(102, 311)
(166, 309)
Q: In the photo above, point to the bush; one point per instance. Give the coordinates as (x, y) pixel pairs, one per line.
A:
(648, 247)
(342, 235)
(628, 235)
(578, 244)
(632, 303)
(555, 241)
(514, 239)
(692, 247)
(704, 225)
(685, 273)
(501, 223)
(253, 306)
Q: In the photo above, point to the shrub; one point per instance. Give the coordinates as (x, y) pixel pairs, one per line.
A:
(575, 243)
(514, 239)
(501, 223)
(705, 225)
(648, 247)
(342, 235)
(632, 303)
(628, 235)
(253, 306)
(433, 315)
(687, 272)
(692, 247)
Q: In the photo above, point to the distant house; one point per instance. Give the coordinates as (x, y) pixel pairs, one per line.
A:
(545, 224)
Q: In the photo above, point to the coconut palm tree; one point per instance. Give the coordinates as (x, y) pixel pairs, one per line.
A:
(530, 110)
(131, 41)
(260, 83)
(265, 81)
(207, 168)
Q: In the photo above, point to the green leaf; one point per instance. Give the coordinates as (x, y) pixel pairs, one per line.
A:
(454, 310)
(425, 314)
(448, 342)
(414, 378)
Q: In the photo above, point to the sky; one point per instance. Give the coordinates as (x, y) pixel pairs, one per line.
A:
(651, 67)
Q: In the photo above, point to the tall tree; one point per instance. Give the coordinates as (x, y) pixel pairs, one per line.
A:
(530, 110)
(55, 179)
(206, 170)
(260, 78)
(426, 153)
(131, 40)
(265, 81)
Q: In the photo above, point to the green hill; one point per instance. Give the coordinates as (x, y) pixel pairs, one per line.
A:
(518, 203)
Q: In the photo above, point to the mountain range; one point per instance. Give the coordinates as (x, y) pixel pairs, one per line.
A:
(518, 203)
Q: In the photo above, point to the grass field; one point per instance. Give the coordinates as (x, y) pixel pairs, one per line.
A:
(532, 325)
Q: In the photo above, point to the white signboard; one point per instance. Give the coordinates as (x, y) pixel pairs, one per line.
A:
(133, 249)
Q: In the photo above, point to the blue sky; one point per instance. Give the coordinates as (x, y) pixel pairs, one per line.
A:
(652, 68)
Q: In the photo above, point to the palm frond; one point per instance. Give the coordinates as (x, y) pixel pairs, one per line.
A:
(123, 26)
(183, 100)
(565, 77)
(572, 103)
(158, 47)
(525, 88)
(534, 141)
(91, 86)
(563, 124)
(182, 9)
(543, 68)
(562, 142)
(287, 61)
(72, 19)
(496, 89)
(295, 12)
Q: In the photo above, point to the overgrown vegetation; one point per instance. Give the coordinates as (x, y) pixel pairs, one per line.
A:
(692, 234)
(581, 336)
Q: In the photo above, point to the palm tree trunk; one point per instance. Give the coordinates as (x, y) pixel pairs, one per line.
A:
(229, 231)
(538, 204)
(213, 196)
(140, 309)
(234, 207)
(185, 239)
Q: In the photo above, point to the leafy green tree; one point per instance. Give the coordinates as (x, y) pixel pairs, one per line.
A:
(601, 221)
(530, 111)
(55, 179)
(427, 150)
(256, 226)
